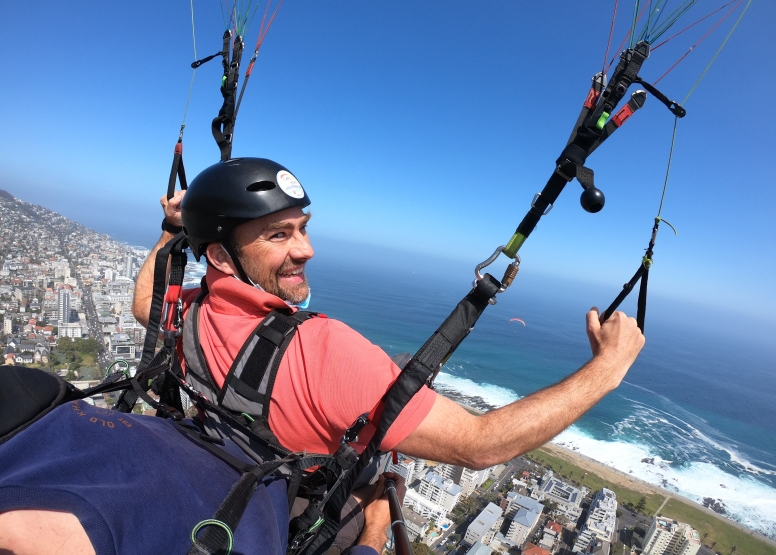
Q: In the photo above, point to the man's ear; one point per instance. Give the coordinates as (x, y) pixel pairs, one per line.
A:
(219, 259)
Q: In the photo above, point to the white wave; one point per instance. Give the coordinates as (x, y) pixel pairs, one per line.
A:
(747, 500)
(492, 394)
(692, 431)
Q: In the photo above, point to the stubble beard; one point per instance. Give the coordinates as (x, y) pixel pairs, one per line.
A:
(268, 281)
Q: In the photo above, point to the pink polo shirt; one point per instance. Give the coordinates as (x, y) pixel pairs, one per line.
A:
(329, 375)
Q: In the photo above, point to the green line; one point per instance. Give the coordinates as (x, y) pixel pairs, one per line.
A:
(724, 42)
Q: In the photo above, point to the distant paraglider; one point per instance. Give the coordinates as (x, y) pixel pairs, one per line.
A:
(517, 320)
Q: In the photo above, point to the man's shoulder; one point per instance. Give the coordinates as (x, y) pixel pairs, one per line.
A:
(334, 336)
(321, 324)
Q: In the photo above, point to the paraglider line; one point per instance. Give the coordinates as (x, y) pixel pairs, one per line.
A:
(619, 48)
(694, 24)
(700, 41)
(720, 48)
(193, 73)
(609, 42)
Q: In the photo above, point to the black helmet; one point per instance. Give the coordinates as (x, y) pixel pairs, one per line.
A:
(233, 192)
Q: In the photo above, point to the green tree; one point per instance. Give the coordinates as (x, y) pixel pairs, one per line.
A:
(549, 506)
(419, 548)
(641, 504)
(87, 346)
(65, 345)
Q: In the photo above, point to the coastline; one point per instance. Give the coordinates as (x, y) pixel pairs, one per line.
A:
(609, 474)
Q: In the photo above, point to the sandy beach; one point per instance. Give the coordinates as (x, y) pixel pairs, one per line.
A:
(607, 473)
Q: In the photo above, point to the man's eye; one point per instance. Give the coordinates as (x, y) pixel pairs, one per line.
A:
(279, 235)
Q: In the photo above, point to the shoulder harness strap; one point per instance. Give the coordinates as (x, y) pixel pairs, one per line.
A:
(248, 386)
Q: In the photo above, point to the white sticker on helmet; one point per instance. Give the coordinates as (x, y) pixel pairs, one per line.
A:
(289, 184)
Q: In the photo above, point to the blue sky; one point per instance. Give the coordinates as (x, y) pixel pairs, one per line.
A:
(422, 126)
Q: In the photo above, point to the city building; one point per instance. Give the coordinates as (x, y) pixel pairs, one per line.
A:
(405, 468)
(485, 526)
(478, 548)
(601, 520)
(424, 507)
(417, 525)
(524, 513)
(439, 490)
(531, 549)
(468, 479)
(567, 497)
(669, 537)
(63, 306)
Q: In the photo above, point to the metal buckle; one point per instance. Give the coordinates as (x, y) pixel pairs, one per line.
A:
(509, 274)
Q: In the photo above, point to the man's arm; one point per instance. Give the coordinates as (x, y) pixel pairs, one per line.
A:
(144, 286)
(451, 434)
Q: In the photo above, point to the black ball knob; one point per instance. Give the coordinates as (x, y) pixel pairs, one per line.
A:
(592, 200)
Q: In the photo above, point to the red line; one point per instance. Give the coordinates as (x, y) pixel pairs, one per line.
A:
(699, 41)
(609, 42)
(694, 24)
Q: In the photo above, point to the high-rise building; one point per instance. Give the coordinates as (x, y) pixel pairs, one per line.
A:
(601, 518)
(443, 492)
(7, 326)
(128, 269)
(466, 478)
(405, 468)
(63, 303)
(669, 537)
(524, 513)
(485, 526)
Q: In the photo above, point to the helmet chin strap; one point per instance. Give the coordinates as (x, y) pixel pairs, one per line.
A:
(232, 253)
(243, 276)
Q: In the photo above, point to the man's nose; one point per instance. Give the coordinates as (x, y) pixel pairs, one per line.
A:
(302, 249)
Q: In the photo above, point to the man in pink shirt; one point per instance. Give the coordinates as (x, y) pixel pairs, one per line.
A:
(245, 216)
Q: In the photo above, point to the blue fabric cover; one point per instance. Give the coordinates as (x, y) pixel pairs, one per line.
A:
(135, 484)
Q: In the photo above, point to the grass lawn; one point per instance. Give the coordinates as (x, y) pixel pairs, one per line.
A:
(487, 484)
(593, 482)
(725, 535)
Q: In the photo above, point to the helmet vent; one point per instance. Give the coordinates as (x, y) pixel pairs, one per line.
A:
(260, 186)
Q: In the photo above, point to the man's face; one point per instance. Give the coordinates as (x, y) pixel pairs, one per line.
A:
(273, 251)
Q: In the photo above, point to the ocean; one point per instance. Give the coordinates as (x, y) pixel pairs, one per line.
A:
(696, 414)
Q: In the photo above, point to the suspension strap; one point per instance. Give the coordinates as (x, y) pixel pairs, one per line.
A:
(177, 172)
(223, 125)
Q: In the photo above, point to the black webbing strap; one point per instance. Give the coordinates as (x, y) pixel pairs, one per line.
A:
(422, 368)
(672, 105)
(258, 371)
(173, 250)
(642, 274)
(177, 172)
(217, 538)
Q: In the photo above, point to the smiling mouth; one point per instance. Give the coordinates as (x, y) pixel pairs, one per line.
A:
(296, 274)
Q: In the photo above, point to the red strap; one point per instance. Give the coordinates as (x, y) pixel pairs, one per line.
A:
(623, 115)
(395, 457)
(592, 98)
